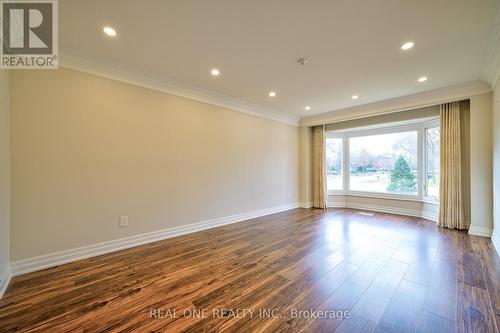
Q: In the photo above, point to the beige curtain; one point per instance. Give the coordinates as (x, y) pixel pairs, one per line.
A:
(319, 167)
(451, 209)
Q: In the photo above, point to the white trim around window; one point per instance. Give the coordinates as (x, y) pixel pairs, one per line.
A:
(418, 126)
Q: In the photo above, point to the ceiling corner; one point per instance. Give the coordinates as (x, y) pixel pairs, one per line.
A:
(490, 70)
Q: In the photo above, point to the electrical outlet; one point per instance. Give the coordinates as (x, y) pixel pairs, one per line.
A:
(123, 221)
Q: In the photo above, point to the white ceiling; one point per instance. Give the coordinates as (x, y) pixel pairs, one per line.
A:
(353, 46)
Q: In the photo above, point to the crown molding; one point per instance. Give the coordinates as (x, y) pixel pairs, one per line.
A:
(104, 68)
(490, 71)
(403, 103)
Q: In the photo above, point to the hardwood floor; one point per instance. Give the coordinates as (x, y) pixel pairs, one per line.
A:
(381, 273)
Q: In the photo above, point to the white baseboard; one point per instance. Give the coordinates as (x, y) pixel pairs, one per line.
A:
(66, 256)
(4, 281)
(495, 238)
(480, 231)
(385, 209)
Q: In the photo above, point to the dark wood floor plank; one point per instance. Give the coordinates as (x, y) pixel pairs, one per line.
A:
(469, 268)
(368, 272)
(374, 301)
(420, 268)
(441, 294)
(340, 302)
(356, 324)
(402, 313)
(431, 323)
(490, 264)
(474, 312)
(313, 298)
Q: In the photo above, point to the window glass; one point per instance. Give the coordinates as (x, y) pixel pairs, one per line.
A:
(432, 146)
(385, 163)
(334, 153)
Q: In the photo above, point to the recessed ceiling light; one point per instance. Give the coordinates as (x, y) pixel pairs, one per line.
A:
(422, 79)
(215, 72)
(109, 31)
(354, 96)
(307, 108)
(272, 94)
(407, 45)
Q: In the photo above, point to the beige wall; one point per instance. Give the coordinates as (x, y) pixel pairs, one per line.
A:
(86, 150)
(4, 173)
(481, 164)
(496, 161)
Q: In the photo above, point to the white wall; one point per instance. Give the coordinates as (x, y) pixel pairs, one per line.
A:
(4, 179)
(481, 165)
(86, 150)
(496, 164)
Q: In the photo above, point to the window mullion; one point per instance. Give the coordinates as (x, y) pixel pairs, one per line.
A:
(345, 170)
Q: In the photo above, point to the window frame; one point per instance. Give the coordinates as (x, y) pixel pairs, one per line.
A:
(418, 126)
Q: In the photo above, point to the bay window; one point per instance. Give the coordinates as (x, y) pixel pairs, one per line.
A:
(385, 161)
